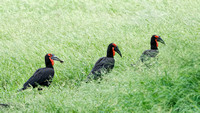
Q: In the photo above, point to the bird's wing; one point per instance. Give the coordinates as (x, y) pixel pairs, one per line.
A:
(47, 76)
(104, 62)
(34, 79)
(108, 63)
(38, 77)
(153, 53)
(104, 65)
(150, 53)
(144, 55)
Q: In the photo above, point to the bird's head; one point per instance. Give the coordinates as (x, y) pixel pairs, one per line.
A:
(49, 59)
(154, 41)
(112, 48)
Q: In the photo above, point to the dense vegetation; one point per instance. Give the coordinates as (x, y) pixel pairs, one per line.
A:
(79, 31)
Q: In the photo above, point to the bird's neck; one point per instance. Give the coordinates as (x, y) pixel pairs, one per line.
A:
(49, 65)
(110, 52)
(110, 56)
(154, 47)
(154, 44)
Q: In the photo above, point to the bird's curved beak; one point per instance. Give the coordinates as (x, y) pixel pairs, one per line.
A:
(160, 40)
(56, 58)
(118, 51)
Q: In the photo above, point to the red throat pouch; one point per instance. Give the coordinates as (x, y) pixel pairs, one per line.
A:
(156, 42)
(52, 62)
(113, 51)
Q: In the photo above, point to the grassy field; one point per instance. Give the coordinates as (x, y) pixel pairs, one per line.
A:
(78, 32)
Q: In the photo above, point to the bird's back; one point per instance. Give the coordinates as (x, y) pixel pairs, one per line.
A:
(103, 65)
(148, 54)
(42, 76)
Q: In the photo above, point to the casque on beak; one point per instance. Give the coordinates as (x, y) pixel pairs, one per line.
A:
(56, 58)
(118, 51)
(160, 40)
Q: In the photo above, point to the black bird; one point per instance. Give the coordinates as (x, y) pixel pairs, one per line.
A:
(104, 64)
(43, 76)
(146, 55)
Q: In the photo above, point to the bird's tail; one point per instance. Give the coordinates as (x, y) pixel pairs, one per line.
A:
(88, 79)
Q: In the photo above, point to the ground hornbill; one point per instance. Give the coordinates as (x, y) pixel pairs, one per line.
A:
(104, 64)
(146, 55)
(43, 76)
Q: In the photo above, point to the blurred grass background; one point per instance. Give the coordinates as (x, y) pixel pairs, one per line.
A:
(79, 31)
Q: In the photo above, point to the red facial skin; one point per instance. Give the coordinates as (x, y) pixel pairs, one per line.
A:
(52, 62)
(113, 49)
(156, 40)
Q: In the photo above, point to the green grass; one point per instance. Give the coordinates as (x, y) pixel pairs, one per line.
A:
(79, 31)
